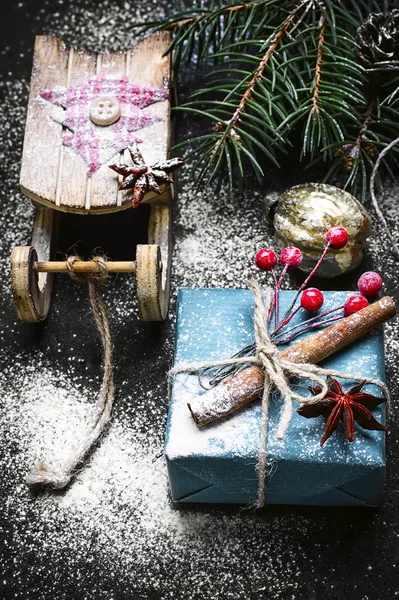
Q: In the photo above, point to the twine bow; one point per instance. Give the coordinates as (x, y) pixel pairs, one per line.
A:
(58, 476)
(277, 370)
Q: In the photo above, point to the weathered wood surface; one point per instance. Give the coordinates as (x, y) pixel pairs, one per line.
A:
(104, 182)
(85, 266)
(55, 175)
(43, 135)
(73, 183)
(153, 264)
(32, 290)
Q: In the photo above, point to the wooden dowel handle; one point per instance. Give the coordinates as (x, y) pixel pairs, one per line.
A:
(83, 266)
(246, 386)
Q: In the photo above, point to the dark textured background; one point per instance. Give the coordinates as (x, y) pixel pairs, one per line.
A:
(217, 552)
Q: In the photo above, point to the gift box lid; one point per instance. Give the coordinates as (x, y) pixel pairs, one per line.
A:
(218, 463)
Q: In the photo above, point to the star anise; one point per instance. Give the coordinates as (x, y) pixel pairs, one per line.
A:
(143, 178)
(348, 407)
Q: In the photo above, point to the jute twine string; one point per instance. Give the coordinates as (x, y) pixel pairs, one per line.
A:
(58, 476)
(277, 370)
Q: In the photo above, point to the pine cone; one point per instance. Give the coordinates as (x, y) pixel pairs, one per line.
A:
(378, 38)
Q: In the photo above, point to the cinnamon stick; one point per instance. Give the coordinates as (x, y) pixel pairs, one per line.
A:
(247, 386)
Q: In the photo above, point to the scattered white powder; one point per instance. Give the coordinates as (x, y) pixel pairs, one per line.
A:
(117, 511)
(114, 534)
(232, 435)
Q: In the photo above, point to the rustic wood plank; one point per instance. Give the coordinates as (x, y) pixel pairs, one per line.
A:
(44, 239)
(160, 233)
(43, 135)
(148, 67)
(104, 182)
(73, 181)
(64, 183)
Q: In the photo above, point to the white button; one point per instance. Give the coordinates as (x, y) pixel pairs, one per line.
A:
(105, 110)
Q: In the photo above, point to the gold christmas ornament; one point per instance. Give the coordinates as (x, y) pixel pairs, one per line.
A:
(306, 212)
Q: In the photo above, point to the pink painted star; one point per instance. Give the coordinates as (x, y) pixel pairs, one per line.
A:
(96, 144)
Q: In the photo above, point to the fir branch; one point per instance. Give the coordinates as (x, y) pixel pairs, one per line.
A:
(218, 26)
(315, 101)
(324, 103)
(259, 73)
(357, 156)
(249, 127)
(206, 16)
(351, 151)
(305, 76)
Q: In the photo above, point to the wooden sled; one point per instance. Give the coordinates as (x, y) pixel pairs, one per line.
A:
(56, 177)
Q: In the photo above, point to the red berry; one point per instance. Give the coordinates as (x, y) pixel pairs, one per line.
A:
(266, 259)
(291, 257)
(337, 237)
(369, 284)
(312, 299)
(355, 303)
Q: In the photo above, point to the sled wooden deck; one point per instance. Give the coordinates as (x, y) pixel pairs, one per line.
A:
(56, 177)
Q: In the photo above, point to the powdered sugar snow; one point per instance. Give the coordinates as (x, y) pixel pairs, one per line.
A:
(113, 534)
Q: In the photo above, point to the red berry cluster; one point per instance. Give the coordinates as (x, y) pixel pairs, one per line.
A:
(369, 284)
(337, 238)
(266, 259)
(312, 299)
(355, 303)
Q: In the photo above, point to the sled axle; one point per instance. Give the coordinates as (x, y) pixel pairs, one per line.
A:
(89, 266)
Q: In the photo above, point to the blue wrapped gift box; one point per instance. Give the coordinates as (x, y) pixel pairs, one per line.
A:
(218, 463)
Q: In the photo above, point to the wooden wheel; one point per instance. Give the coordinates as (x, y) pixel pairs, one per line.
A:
(153, 266)
(149, 283)
(32, 291)
(31, 302)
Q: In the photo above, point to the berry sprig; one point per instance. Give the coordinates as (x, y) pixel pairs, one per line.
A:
(311, 299)
(336, 238)
(266, 260)
(369, 284)
(353, 304)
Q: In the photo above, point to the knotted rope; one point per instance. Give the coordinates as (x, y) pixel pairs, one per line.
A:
(59, 476)
(277, 370)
